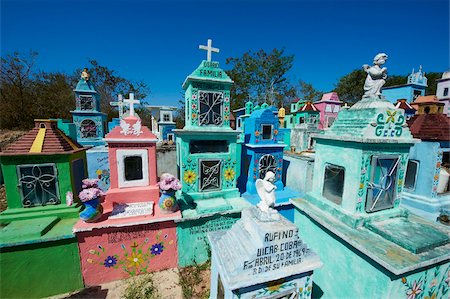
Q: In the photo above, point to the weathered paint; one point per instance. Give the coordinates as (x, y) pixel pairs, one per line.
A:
(98, 167)
(345, 267)
(193, 246)
(113, 253)
(41, 269)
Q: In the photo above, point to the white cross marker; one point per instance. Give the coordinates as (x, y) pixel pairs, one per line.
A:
(209, 49)
(120, 104)
(131, 101)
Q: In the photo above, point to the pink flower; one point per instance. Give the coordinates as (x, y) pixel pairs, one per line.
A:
(415, 290)
(69, 198)
(169, 181)
(90, 194)
(90, 183)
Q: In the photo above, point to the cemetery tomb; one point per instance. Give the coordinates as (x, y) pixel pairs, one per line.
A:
(36, 229)
(260, 258)
(162, 122)
(427, 191)
(352, 215)
(133, 236)
(90, 122)
(443, 91)
(329, 107)
(415, 87)
(263, 152)
(208, 159)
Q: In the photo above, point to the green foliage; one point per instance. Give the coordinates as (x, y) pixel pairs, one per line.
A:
(192, 277)
(141, 287)
(306, 91)
(432, 84)
(26, 94)
(350, 87)
(260, 77)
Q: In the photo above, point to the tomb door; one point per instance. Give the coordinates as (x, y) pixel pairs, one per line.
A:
(38, 185)
(210, 175)
(267, 163)
(88, 129)
(211, 108)
(381, 190)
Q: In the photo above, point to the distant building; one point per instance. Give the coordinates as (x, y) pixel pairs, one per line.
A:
(409, 110)
(443, 93)
(415, 87)
(329, 107)
(162, 122)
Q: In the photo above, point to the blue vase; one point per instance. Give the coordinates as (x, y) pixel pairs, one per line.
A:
(167, 201)
(92, 210)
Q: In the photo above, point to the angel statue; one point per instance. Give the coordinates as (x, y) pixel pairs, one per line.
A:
(85, 75)
(266, 192)
(376, 76)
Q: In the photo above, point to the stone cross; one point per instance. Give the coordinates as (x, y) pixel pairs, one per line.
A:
(209, 49)
(120, 104)
(131, 101)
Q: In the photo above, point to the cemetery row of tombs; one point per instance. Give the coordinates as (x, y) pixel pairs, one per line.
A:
(354, 199)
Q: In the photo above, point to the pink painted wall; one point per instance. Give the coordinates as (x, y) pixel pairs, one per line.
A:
(331, 99)
(109, 254)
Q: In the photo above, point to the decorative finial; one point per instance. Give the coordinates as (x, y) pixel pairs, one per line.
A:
(209, 49)
(85, 75)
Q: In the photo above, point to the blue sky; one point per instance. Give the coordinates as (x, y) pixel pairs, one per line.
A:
(157, 41)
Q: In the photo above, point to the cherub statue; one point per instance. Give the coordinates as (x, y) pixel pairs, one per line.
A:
(125, 127)
(85, 75)
(266, 191)
(376, 76)
(137, 128)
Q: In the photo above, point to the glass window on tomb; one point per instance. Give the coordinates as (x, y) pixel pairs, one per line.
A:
(88, 129)
(86, 102)
(266, 132)
(38, 185)
(211, 108)
(208, 146)
(333, 183)
(411, 174)
(166, 117)
(381, 190)
(133, 168)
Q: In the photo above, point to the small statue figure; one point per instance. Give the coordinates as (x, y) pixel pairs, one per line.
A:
(85, 75)
(376, 76)
(266, 191)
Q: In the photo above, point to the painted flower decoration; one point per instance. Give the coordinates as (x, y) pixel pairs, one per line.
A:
(167, 203)
(157, 249)
(275, 132)
(229, 174)
(414, 290)
(169, 182)
(135, 259)
(256, 133)
(99, 172)
(189, 176)
(110, 261)
(194, 106)
(194, 96)
(194, 115)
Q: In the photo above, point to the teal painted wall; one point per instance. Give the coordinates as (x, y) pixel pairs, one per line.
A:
(193, 245)
(347, 273)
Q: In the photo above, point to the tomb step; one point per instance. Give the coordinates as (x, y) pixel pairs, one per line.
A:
(212, 205)
(30, 228)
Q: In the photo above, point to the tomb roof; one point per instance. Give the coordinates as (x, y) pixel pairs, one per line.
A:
(426, 99)
(430, 126)
(208, 71)
(44, 139)
(85, 86)
(403, 104)
(309, 106)
(131, 130)
(330, 96)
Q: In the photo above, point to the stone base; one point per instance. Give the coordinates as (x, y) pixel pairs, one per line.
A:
(132, 194)
(426, 207)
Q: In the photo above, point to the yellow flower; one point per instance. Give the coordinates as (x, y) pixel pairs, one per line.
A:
(98, 172)
(275, 285)
(135, 260)
(229, 174)
(189, 176)
(433, 296)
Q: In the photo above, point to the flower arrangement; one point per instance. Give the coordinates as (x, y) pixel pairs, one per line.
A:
(90, 190)
(169, 182)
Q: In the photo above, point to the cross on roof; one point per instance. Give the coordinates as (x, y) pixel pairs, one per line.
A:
(131, 101)
(209, 49)
(120, 104)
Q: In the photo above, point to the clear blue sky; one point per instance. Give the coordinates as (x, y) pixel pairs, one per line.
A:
(157, 41)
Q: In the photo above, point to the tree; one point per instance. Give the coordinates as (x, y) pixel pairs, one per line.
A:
(307, 92)
(350, 87)
(260, 77)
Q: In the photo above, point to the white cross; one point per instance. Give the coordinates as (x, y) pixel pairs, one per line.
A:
(131, 101)
(119, 104)
(209, 49)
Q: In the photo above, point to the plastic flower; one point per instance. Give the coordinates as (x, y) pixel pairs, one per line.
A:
(157, 249)
(90, 183)
(414, 290)
(169, 181)
(135, 259)
(110, 261)
(90, 194)
(69, 198)
(189, 176)
(229, 174)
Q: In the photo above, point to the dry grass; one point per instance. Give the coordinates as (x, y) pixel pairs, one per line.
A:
(9, 136)
(195, 280)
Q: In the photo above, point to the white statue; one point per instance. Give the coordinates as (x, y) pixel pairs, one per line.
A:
(376, 76)
(266, 191)
(125, 127)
